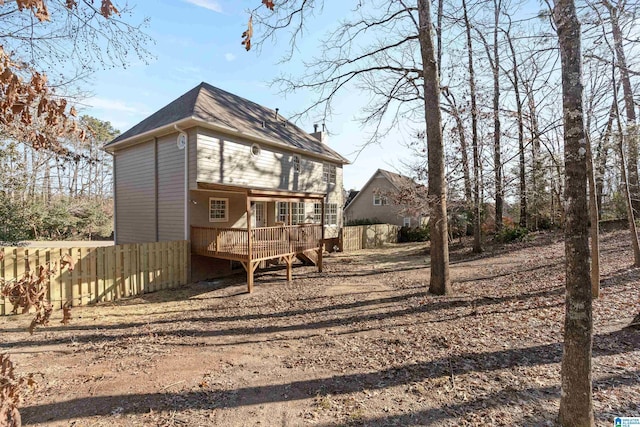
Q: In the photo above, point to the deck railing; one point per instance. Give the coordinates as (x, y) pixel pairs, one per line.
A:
(266, 242)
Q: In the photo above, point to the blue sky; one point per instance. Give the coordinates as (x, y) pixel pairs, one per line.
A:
(199, 40)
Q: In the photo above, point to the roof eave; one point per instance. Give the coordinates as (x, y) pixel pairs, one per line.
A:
(144, 136)
(194, 121)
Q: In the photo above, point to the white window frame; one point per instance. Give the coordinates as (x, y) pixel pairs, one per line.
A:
(297, 212)
(406, 221)
(282, 212)
(226, 209)
(380, 200)
(329, 173)
(331, 214)
(296, 160)
(317, 213)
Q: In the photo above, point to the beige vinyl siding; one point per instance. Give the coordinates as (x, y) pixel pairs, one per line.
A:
(193, 158)
(226, 160)
(236, 205)
(135, 194)
(362, 206)
(170, 189)
(222, 159)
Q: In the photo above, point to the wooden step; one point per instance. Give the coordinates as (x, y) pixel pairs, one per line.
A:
(308, 257)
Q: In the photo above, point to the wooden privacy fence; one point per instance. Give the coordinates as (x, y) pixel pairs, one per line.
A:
(368, 236)
(102, 273)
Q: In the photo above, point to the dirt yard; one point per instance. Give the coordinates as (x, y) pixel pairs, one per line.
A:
(360, 344)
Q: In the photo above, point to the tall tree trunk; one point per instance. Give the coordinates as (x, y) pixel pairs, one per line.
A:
(454, 111)
(629, 106)
(496, 118)
(600, 161)
(477, 237)
(439, 36)
(594, 229)
(440, 284)
(535, 195)
(625, 180)
(522, 169)
(576, 402)
(47, 183)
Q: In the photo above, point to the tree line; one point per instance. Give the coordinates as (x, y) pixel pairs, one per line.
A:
(55, 181)
(48, 195)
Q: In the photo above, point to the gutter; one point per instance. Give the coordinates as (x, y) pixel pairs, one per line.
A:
(194, 121)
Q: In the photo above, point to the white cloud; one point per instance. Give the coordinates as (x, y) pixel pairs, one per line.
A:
(112, 105)
(229, 56)
(207, 4)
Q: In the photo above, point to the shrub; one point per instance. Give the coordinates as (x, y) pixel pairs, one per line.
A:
(18, 220)
(417, 234)
(511, 234)
(364, 221)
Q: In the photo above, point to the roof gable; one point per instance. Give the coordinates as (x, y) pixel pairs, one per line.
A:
(396, 180)
(218, 107)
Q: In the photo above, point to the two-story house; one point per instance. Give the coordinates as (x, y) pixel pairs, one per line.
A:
(235, 178)
(389, 198)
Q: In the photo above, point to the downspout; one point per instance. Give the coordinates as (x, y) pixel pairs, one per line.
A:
(115, 210)
(186, 184)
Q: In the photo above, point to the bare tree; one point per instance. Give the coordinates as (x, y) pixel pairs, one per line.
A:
(514, 78)
(615, 10)
(400, 83)
(477, 220)
(576, 402)
(494, 64)
(440, 284)
(625, 178)
(68, 40)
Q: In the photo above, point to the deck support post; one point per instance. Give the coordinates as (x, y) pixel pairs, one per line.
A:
(250, 264)
(289, 260)
(321, 243)
(250, 268)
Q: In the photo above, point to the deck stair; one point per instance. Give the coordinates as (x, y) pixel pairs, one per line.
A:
(308, 257)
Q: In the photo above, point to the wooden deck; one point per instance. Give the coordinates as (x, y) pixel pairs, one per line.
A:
(259, 244)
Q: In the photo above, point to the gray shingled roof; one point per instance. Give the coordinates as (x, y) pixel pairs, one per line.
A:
(397, 180)
(218, 107)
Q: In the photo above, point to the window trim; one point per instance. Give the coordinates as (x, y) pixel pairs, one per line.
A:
(255, 145)
(329, 173)
(278, 213)
(382, 200)
(328, 214)
(226, 209)
(295, 211)
(296, 163)
(317, 213)
(406, 223)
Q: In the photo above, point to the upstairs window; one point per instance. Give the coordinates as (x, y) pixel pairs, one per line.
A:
(380, 200)
(329, 173)
(296, 163)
